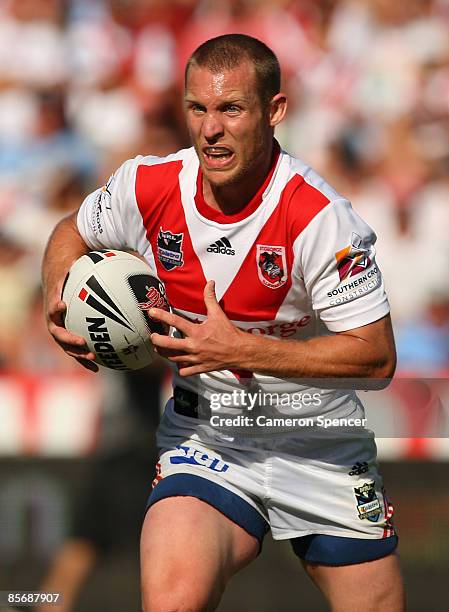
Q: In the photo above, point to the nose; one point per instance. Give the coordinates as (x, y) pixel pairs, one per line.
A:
(212, 127)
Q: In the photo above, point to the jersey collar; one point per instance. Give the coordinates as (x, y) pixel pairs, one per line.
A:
(215, 215)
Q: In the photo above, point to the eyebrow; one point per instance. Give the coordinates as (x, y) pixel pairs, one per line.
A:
(222, 102)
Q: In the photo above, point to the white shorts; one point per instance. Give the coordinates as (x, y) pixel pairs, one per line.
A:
(297, 484)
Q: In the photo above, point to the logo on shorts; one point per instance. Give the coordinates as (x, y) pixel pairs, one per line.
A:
(193, 456)
(368, 505)
(353, 259)
(169, 249)
(359, 468)
(271, 265)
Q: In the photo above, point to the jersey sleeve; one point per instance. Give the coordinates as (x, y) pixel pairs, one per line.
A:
(339, 269)
(109, 217)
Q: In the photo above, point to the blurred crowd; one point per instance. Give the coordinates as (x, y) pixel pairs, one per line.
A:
(86, 84)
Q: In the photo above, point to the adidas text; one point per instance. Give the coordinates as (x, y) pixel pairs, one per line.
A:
(214, 248)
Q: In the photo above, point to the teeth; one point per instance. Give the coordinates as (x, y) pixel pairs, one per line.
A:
(219, 155)
(217, 151)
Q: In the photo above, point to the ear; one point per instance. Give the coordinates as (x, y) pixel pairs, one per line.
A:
(278, 108)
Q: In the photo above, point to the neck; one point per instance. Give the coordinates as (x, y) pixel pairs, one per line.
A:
(232, 198)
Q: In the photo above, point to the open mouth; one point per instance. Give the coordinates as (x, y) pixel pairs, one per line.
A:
(217, 156)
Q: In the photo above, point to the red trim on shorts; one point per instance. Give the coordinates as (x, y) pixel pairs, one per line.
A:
(389, 511)
(158, 476)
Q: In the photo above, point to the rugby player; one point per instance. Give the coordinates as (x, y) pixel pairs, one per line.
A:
(272, 279)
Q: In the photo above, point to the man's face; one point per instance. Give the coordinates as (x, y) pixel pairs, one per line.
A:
(229, 127)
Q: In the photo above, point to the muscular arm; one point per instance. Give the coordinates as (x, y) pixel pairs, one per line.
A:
(64, 247)
(216, 344)
(364, 352)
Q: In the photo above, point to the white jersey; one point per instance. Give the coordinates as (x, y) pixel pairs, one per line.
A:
(295, 263)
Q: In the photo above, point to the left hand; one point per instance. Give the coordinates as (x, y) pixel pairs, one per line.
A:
(207, 346)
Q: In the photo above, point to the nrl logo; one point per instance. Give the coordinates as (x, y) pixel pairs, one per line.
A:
(169, 249)
(271, 265)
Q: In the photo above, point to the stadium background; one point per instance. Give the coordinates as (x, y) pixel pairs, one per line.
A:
(86, 84)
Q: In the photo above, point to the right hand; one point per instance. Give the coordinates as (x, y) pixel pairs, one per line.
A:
(73, 345)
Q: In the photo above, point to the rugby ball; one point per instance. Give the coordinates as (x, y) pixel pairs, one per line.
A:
(108, 294)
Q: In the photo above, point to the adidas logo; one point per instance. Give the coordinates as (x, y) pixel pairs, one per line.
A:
(222, 246)
(359, 468)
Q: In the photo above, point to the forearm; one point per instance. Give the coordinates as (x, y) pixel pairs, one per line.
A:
(338, 356)
(366, 352)
(64, 247)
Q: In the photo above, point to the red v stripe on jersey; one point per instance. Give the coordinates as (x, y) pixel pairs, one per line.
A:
(159, 200)
(309, 201)
(247, 298)
(247, 294)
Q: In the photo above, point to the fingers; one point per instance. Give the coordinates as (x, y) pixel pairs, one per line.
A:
(174, 349)
(210, 299)
(56, 327)
(171, 319)
(167, 353)
(89, 365)
(182, 360)
(77, 351)
(81, 353)
(65, 337)
(169, 343)
(56, 311)
(191, 370)
(73, 345)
